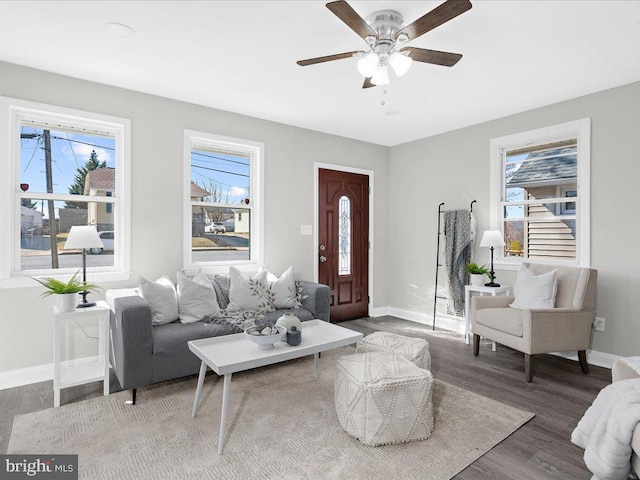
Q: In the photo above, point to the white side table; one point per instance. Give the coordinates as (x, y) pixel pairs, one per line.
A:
(81, 373)
(470, 290)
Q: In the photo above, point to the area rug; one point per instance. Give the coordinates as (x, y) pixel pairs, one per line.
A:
(282, 424)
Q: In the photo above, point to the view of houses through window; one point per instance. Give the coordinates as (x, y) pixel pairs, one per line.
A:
(221, 204)
(538, 221)
(56, 166)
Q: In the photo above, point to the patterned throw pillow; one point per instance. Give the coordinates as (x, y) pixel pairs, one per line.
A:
(249, 293)
(282, 290)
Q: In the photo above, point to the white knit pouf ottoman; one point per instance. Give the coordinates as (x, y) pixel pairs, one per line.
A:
(415, 350)
(383, 399)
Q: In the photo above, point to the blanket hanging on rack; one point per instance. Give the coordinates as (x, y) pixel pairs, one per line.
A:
(458, 247)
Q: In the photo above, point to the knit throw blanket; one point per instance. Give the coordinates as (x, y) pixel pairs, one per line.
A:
(606, 429)
(458, 245)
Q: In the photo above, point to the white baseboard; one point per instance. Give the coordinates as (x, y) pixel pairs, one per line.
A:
(594, 357)
(43, 373)
(455, 324)
(380, 312)
(37, 374)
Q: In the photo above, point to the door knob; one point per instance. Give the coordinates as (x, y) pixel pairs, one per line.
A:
(323, 259)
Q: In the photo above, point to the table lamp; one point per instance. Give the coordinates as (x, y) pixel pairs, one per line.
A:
(83, 237)
(492, 239)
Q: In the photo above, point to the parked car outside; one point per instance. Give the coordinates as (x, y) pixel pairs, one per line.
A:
(107, 238)
(214, 227)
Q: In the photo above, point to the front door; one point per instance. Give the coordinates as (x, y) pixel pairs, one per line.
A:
(343, 242)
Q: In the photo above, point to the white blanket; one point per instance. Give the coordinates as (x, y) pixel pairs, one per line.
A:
(634, 363)
(606, 429)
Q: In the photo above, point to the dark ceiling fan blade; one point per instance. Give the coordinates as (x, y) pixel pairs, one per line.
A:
(327, 58)
(424, 55)
(348, 15)
(367, 83)
(436, 17)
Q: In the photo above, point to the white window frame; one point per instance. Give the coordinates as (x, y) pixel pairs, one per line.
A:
(579, 129)
(255, 152)
(12, 113)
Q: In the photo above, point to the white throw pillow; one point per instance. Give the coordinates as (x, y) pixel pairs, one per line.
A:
(161, 297)
(283, 289)
(196, 297)
(248, 293)
(535, 291)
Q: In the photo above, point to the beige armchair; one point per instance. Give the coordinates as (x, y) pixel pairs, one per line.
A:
(564, 328)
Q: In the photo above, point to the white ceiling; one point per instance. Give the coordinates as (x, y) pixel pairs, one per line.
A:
(240, 56)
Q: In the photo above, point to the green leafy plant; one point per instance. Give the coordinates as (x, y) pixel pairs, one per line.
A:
(474, 268)
(57, 287)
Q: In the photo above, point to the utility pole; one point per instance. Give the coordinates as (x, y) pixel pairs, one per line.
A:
(53, 229)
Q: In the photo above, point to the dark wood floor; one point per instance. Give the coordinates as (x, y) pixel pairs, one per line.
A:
(558, 395)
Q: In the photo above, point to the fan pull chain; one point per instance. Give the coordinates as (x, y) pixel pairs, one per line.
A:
(382, 102)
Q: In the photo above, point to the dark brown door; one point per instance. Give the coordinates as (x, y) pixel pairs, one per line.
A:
(343, 242)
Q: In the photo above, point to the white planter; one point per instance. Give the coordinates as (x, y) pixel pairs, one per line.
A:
(66, 302)
(476, 279)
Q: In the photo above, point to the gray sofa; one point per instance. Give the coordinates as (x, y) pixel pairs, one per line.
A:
(142, 354)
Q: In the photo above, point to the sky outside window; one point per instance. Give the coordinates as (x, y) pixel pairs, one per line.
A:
(224, 175)
(69, 152)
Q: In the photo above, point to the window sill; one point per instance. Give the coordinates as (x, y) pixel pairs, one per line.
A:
(98, 278)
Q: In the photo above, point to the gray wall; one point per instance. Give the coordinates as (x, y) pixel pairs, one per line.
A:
(454, 168)
(158, 124)
(411, 180)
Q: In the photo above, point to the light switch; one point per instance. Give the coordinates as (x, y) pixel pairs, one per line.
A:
(306, 229)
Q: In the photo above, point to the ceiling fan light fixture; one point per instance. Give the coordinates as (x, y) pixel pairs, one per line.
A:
(400, 62)
(402, 38)
(381, 75)
(367, 64)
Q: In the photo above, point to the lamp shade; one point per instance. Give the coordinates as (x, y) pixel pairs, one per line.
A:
(400, 63)
(83, 236)
(492, 238)
(381, 77)
(367, 64)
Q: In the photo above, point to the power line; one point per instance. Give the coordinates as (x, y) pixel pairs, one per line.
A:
(219, 158)
(221, 171)
(72, 152)
(84, 143)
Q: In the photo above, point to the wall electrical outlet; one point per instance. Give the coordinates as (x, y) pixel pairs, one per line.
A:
(598, 324)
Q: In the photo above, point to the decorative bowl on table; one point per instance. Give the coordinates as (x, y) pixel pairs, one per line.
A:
(265, 338)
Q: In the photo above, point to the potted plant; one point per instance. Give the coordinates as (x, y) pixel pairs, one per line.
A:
(66, 293)
(476, 273)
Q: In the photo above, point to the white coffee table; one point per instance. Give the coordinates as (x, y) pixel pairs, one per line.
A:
(235, 353)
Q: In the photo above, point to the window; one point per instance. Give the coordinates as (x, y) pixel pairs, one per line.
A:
(532, 176)
(66, 168)
(223, 201)
(344, 236)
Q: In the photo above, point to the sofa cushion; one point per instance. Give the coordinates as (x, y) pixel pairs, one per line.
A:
(505, 320)
(535, 291)
(162, 299)
(196, 297)
(173, 337)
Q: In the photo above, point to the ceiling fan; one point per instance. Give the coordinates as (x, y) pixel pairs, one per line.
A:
(386, 38)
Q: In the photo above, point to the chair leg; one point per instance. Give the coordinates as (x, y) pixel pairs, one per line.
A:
(528, 367)
(476, 345)
(582, 357)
